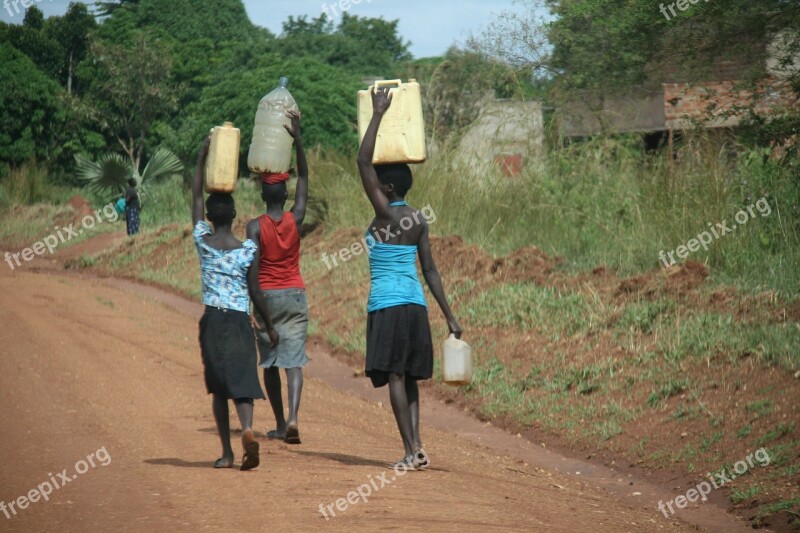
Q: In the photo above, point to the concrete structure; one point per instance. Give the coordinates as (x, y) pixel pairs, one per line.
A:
(505, 134)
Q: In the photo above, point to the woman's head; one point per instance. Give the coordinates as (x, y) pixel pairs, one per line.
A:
(220, 208)
(395, 178)
(275, 193)
(132, 182)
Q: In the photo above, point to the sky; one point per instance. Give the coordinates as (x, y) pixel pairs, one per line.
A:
(432, 26)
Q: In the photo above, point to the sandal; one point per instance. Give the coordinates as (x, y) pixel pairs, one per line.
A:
(292, 435)
(251, 459)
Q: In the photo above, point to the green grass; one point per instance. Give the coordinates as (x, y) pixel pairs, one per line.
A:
(666, 391)
(778, 432)
(738, 496)
(529, 306)
(711, 334)
(792, 507)
(760, 408)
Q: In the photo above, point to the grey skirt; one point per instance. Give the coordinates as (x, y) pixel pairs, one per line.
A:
(288, 310)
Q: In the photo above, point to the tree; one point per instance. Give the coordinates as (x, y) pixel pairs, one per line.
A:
(352, 45)
(130, 88)
(326, 96)
(33, 40)
(29, 109)
(111, 172)
(72, 31)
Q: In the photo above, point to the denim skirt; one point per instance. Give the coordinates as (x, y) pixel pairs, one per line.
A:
(288, 310)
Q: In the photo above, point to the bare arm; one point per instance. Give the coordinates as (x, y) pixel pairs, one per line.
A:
(381, 100)
(198, 204)
(301, 193)
(253, 285)
(434, 281)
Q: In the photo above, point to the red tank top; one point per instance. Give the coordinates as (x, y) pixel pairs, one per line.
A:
(279, 264)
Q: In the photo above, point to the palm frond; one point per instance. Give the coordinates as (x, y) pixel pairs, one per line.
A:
(110, 173)
(164, 163)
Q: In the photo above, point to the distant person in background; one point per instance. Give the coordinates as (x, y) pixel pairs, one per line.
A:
(227, 341)
(399, 346)
(278, 236)
(132, 207)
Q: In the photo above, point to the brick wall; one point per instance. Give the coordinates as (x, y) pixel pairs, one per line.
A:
(722, 104)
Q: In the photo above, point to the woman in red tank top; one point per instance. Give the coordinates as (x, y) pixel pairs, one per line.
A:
(277, 234)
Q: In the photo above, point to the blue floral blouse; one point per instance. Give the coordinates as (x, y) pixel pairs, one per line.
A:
(224, 273)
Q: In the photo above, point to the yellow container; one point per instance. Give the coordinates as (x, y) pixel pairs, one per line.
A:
(222, 164)
(401, 136)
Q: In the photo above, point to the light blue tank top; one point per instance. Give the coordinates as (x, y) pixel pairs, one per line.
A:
(393, 272)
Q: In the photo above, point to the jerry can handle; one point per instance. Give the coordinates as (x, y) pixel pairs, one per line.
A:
(392, 84)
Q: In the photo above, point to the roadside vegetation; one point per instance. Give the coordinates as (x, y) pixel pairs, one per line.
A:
(582, 339)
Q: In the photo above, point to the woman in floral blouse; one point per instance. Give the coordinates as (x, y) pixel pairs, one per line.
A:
(227, 340)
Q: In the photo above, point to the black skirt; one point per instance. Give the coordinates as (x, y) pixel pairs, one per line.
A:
(399, 342)
(228, 346)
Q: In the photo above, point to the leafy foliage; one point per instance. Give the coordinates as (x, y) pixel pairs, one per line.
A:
(111, 172)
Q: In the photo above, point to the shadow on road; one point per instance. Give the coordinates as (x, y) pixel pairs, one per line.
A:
(174, 461)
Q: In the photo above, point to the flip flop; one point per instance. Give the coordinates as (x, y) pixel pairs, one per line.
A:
(292, 435)
(276, 434)
(251, 459)
(223, 463)
(421, 461)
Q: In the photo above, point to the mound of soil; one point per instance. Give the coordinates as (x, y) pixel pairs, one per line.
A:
(675, 281)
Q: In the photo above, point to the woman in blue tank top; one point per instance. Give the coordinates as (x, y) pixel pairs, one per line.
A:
(399, 346)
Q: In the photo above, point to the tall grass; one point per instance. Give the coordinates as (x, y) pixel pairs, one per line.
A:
(24, 185)
(603, 202)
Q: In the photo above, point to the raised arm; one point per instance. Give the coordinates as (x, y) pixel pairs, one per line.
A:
(301, 193)
(381, 100)
(253, 285)
(198, 204)
(434, 281)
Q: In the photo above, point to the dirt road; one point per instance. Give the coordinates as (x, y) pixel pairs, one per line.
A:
(88, 367)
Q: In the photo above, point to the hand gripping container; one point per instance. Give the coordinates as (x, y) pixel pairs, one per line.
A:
(401, 136)
(456, 362)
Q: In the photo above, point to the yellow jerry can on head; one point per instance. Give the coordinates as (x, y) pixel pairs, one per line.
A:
(222, 163)
(401, 136)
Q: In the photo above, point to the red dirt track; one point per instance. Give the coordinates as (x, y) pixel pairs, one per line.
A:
(93, 363)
